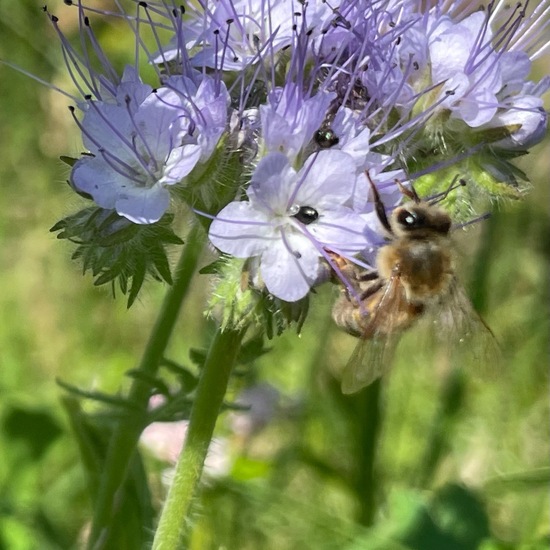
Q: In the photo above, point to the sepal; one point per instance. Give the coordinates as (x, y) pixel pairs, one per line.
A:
(240, 299)
(116, 250)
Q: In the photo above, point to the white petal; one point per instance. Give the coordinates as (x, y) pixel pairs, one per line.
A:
(144, 205)
(241, 230)
(329, 179)
(290, 267)
(340, 229)
(272, 183)
(93, 176)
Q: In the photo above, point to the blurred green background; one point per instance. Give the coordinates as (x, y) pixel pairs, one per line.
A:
(462, 461)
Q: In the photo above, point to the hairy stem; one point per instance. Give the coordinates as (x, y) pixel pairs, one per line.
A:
(206, 406)
(126, 434)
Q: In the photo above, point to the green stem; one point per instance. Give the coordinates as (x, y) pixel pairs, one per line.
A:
(367, 421)
(206, 406)
(452, 400)
(126, 434)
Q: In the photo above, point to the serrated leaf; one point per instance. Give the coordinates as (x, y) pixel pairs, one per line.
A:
(156, 384)
(187, 379)
(106, 277)
(120, 236)
(123, 283)
(61, 224)
(198, 357)
(138, 277)
(252, 350)
(98, 396)
(167, 235)
(160, 261)
(68, 160)
(214, 268)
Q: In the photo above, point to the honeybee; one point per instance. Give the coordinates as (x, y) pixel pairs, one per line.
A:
(414, 275)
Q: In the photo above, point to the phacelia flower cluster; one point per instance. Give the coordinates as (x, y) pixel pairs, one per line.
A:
(271, 119)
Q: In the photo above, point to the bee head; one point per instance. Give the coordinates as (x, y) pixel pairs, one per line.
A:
(420, 220)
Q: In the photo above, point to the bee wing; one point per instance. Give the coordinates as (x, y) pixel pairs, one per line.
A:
(372, 356)
(464, 333)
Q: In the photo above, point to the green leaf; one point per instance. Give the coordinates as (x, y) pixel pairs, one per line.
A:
(156, 384)
(137, 281)
(198, 357)
(37, 428)
(528, 480)
(160, 261)
(98, 396)
(187, 379)
(68, 160)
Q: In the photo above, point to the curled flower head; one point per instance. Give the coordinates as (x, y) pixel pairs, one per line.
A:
(233, 35)
(299, 108)
(291, 218)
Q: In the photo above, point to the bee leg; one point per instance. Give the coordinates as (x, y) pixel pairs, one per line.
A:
(368, 276)
(372, 289)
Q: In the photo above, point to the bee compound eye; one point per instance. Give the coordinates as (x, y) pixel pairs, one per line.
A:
(410, 218)
(305, 214)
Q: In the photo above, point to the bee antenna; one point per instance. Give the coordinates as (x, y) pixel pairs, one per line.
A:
(455, 184)
(379, 205)
(411, 193)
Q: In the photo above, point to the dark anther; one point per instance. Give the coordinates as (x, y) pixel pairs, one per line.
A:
(340, 21)
(398, 41)
(325, 138)
(306, 215)
(235, 59)
(71, 108)
(229, 21)
(143, 5)
(55, 19)
(294, 27)
(309, 33)
(87, 97)
(45, 8)
(391, 24)
(86, 21)
(450, 92)
(416, 66)
(68, 2)
(182, 8)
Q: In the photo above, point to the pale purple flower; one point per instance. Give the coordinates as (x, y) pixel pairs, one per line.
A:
(290, 118)
(291, 218)
(526, 120)
(480, 73)
(138, 150)
(232, 35)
